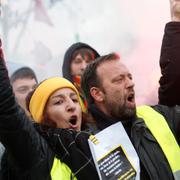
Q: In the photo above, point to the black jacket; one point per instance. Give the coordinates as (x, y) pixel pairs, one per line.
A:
(68, 58)
(28, 154)
(31, 148)
(170, 62)
(154, 164)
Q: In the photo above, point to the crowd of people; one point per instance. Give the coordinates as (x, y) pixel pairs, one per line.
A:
(45, 127)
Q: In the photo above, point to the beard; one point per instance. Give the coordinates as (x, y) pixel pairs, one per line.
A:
(120, 111)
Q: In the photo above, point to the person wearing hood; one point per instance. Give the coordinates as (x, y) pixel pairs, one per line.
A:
(76, 58)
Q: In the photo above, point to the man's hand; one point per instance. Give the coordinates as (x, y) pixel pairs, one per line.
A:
(175, 10)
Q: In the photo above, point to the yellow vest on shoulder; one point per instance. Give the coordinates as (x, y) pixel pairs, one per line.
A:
(60, 171)
(162, 133)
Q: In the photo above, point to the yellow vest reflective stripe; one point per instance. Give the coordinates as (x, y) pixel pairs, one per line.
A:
(60, 171)
(161, 131)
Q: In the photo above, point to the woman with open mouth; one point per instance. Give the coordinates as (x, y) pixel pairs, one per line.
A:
(56, 103)
(49, 148)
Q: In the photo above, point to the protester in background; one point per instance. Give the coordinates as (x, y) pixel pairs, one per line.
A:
(76, 58)
(109, 89)
(37, 151)
(23, 81)
(170, 59)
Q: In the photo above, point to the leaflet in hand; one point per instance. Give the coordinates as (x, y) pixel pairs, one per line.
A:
(114, 154)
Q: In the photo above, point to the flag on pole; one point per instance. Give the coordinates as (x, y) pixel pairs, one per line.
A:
(41, 13)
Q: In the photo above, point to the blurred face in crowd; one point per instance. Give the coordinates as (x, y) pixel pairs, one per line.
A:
(117, 90)
(79, 64)
(21, 88)
(64, 110)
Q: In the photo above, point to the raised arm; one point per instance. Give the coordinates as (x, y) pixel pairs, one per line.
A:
(26, 146)
(170, 59)
(17, 133)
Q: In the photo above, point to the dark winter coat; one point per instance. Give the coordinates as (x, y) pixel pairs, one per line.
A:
(31, 148)
(154, 165)
(170, 62)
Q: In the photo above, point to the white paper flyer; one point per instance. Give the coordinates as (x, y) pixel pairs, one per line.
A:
(114, 154)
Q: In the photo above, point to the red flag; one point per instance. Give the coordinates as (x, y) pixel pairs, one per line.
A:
(41, 13)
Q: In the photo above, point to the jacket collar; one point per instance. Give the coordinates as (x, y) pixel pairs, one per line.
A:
(103, 121)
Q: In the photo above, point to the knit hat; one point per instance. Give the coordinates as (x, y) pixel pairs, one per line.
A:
(43, 92)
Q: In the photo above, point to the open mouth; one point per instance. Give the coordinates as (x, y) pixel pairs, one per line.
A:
(131, 98)
(73, 120)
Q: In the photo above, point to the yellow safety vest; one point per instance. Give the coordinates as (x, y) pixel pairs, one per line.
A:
(60, 171)
(161, 131)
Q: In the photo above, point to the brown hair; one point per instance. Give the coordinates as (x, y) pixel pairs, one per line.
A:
(90, 78)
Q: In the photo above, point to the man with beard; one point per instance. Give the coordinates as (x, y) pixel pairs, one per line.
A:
(153, 131)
